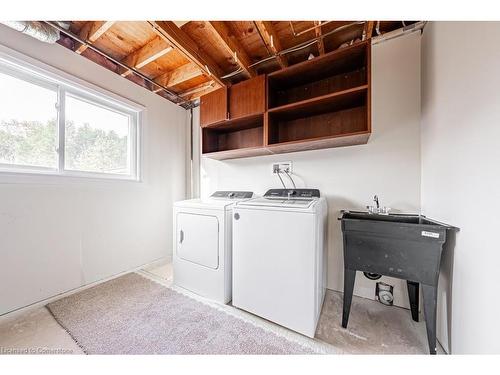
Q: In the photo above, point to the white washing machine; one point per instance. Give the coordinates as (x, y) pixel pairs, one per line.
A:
(202, 244)
(279, 257)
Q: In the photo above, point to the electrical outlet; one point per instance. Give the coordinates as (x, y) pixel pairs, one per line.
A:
(281, 167)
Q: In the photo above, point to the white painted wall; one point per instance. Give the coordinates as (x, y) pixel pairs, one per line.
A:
(389, 165)
(460, 173)
(58, 233)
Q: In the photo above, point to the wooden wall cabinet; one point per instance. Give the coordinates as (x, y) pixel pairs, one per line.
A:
(213, 107)
(247, 98)
(320, 103)
(241, 132)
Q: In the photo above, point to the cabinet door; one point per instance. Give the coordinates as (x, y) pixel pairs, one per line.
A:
(213, 107)
(248, 97)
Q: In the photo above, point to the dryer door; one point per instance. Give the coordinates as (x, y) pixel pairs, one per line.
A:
(198, 239)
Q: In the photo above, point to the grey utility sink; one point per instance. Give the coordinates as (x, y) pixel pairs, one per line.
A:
(408, 247)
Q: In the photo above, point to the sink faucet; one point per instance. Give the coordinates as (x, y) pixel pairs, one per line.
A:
(376, 209)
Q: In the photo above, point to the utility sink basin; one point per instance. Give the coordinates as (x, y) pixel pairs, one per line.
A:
(394, 218)
(408, 247)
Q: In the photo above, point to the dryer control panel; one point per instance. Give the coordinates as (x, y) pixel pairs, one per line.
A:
(232, 194)
(292, 193)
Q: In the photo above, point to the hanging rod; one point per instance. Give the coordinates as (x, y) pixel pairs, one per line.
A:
(104, 54)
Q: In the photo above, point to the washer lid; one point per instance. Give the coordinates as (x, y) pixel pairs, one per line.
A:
(297, 203)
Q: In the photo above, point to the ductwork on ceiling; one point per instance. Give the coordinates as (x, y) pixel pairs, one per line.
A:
(37, 30)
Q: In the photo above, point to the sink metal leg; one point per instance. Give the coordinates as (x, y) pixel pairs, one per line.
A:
(414, 295)
(430, 306)
(349, 278)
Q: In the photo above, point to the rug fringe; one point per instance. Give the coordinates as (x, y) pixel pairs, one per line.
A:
(67, 331)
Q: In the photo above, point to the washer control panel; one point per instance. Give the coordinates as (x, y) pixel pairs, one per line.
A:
(232, 194)
(293, 193)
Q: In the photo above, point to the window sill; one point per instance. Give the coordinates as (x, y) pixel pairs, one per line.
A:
(53, 177)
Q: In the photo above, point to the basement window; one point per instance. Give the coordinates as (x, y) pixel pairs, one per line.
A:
(48, 126)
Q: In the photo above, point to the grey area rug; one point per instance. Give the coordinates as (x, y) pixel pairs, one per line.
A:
(134, 315)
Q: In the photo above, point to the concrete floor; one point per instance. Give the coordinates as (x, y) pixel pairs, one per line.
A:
(373, 327)
(162, 270)
(35, 332)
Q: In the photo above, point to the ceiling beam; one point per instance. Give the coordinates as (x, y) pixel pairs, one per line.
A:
(271, 40)
(319, 33)
(232, 45)
(183, 42)
(200, 91)
(368, 30)
(92, 31)
(204, 86)
(182, 74)
(150, 52)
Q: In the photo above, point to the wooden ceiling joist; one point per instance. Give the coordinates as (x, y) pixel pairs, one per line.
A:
(229, 42)
(368, 31)
(180, 40)
(92, 31)
(271, 40)
(200, 92)
(197, 89)
(182, 74)
(318, 31)
(190, 58)
(153, 50)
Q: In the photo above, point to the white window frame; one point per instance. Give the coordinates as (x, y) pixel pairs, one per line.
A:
(34, 72)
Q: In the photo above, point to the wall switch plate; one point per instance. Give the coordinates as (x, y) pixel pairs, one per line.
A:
(281, 167)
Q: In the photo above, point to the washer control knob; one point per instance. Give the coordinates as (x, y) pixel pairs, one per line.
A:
(236, 216)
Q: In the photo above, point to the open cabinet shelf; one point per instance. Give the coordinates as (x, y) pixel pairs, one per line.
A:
(336, 71)
(331, 116)
(320, 103)
(234, 138)
(329, 102)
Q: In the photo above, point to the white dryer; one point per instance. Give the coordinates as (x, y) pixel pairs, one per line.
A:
(279, 257)
(202, 244)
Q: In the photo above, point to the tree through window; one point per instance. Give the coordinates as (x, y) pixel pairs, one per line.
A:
(48, 126)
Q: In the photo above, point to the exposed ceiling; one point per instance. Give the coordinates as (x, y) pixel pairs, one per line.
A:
(183, 60)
